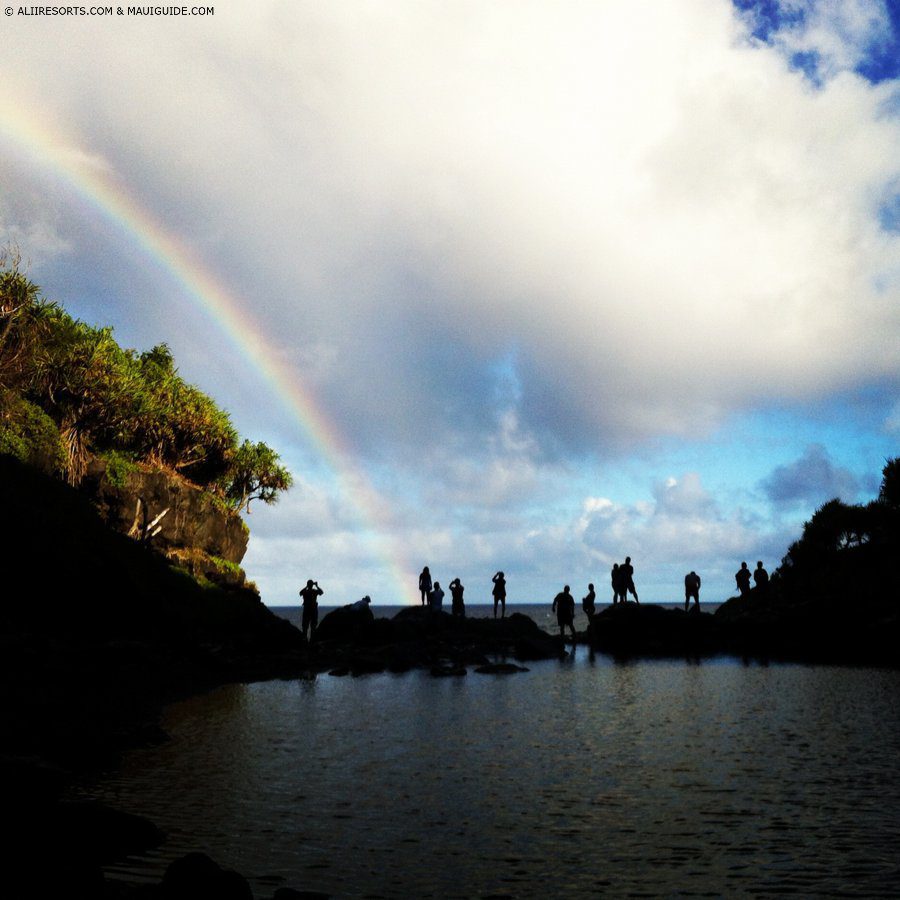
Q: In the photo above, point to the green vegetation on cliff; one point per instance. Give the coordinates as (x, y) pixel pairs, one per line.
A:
(848, 553)
(68, 392)
(834, 596)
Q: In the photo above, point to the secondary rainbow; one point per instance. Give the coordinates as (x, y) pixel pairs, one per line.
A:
(95, 185)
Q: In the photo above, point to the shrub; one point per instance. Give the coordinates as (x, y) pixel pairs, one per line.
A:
(29, 434)
(118, 467)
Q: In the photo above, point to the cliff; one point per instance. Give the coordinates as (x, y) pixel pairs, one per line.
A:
(93, 620)
(191, 527)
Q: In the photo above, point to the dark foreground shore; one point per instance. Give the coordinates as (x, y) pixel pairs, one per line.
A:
(98, 634)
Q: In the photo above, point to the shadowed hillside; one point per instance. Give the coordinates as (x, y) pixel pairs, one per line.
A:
(836, 594)
(98, 632)
(97, 619)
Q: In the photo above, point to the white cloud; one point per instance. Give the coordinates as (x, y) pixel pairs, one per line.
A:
(504, 472)
(683, 525)
(308, 508)
(666, 222)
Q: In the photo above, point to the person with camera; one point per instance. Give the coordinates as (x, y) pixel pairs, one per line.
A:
(310, 619)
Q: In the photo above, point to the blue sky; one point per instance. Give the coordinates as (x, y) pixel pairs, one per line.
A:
(571, 280)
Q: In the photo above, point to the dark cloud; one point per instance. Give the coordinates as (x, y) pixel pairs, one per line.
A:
(812, 479)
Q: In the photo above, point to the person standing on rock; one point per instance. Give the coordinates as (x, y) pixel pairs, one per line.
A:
(499, 592)
(760, 577)
(742, 579)
(310, 619)
(616, 579)
(425, 585)
(458, 608)
(564, 607)
(692, 590)
(589, 603)
(627, 586)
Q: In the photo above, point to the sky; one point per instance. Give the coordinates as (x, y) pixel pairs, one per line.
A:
(527, 286)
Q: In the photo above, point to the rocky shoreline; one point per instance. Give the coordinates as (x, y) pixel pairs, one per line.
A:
(762, 627)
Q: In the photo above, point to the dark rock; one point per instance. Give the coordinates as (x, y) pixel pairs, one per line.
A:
(233, 886)
(631, 629)
(196, 875)
(66, 877)
(529, 649)
(402, 657)
(193, 869)
(500, 669)
(97, 832)
(366, 665)
(418, 637)
(346, 625)
(520, 625)
(448, 671)
(774, 626)
(28, 783)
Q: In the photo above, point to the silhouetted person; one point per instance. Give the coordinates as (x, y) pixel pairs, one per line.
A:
(425, 585)
(691, 590)
(499, 592)
(626, 571)
(589, 603)
(760, 577)
(436, 597)
(310, 618)
(742, 577)
(360, 605)
(564, 607)
(456, 592)
(616, 579)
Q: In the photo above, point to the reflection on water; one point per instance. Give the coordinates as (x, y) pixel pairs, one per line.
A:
(573, 779)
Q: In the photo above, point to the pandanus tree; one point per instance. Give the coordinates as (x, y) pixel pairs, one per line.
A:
(182, 428)
(102, 398)
(84, 379)
(255, 474)
(20, 314)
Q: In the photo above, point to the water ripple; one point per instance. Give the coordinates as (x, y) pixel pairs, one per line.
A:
(649, 779)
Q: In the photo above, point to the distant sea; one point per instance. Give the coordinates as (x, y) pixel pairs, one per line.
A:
(579, 778)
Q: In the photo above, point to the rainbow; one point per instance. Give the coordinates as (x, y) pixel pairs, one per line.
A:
(96, 186)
